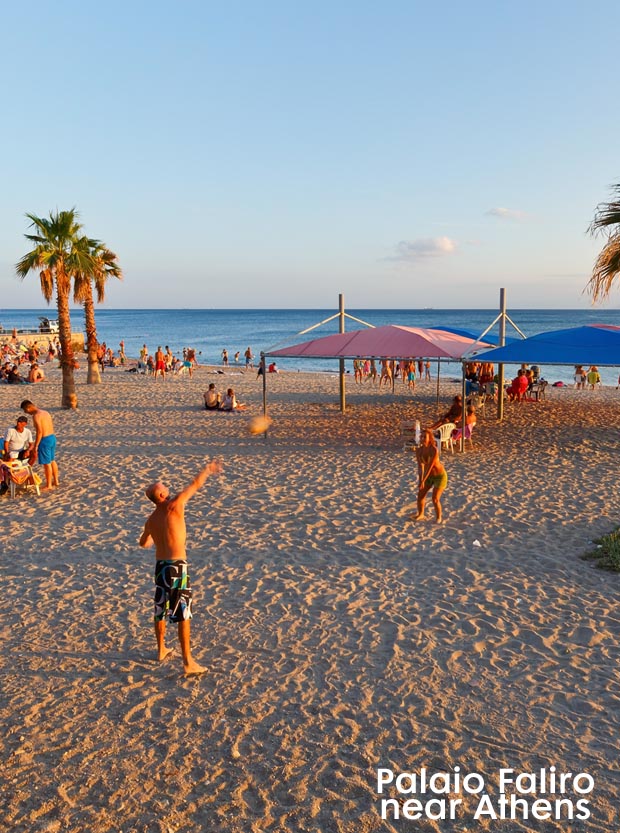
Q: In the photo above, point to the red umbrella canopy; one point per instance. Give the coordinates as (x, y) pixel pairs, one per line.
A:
(392, 341)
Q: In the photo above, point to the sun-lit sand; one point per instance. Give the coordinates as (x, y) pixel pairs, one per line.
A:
(340, 636)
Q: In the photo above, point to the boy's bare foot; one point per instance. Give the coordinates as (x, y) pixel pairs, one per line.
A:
(165, 653)
(419, 517)
(193, 668)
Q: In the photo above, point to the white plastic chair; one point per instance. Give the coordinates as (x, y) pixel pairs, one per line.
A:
(469, 430)
(444, 436)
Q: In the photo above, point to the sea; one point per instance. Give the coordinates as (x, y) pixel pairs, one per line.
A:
(209, 331)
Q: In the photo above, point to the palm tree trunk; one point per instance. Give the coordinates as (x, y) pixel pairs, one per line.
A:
(67, 359)
(93, 377)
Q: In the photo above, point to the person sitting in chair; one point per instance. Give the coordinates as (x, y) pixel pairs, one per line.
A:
(518, 387)
(18, 441)
(470, 424)
(454, 413)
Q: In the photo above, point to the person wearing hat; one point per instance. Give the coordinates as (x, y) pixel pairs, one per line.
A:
(18, 445)
(18, 441)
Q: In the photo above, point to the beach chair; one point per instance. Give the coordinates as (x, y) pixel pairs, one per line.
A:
(22, 476)
(537, 391)
(444, 436)
(469, 430)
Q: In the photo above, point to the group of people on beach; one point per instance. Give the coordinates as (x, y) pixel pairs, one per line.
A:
(248, 358)
(214, 401)
(23, 448)
(165, 363)
(407, 370)
(592, 377)
(21, 363)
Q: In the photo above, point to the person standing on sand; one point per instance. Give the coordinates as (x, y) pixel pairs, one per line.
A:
(431, 474)
(45, 443)
(160, 364)
(165, 528)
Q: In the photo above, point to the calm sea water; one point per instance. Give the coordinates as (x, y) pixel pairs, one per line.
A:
(210, 330)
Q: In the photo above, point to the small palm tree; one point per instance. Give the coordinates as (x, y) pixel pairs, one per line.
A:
(58, 255)
(105, 266)
(607, 267)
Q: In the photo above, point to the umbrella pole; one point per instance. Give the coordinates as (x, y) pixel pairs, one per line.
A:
(343, 400)
(438, 371)
(502, 342)
(463, 400)
(262, 364)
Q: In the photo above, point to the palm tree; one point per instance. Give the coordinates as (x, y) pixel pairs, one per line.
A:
(105, 266)
(607, 267)
(58, 256)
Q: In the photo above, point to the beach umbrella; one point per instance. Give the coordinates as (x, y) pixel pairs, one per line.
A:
(597, 344)
(392, 341)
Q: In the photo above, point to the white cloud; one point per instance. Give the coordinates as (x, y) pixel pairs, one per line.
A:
(411, 250)
(506, 213)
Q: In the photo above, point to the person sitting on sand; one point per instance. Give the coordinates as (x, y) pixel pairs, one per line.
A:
(212, 398)
(229, 402)
(165, 528)
(453, 414)
(13, 377)
(35, 374)
(273, 368)
(431, 474)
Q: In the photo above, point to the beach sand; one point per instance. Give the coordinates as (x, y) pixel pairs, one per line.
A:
(340, 636)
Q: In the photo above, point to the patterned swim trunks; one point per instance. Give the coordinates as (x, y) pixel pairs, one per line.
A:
(173, 595)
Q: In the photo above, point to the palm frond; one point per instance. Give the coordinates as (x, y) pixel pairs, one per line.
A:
(47, 284)
(606, 269)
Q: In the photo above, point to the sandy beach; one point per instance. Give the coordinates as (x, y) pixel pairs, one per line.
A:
(340, 635)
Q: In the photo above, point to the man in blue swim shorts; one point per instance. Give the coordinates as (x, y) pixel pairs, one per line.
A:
(45, 443)
(165, 528)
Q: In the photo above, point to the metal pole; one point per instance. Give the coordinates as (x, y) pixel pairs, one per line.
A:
(262, 364)
(502, 341)
(343, 401)
(463, 409)
(438, 371)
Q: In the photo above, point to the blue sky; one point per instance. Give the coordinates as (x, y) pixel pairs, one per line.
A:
(262, 154)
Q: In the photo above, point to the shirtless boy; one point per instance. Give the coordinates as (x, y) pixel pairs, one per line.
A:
(160, 364)
(45, 442)
(165, 528)
(431, 473)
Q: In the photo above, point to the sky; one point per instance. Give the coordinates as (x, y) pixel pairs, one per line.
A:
(275, 154)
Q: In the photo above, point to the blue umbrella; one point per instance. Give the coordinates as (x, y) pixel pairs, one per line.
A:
(593, 344)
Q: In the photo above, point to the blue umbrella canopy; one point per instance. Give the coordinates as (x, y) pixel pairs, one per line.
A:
(592, 344)
(488, 339)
